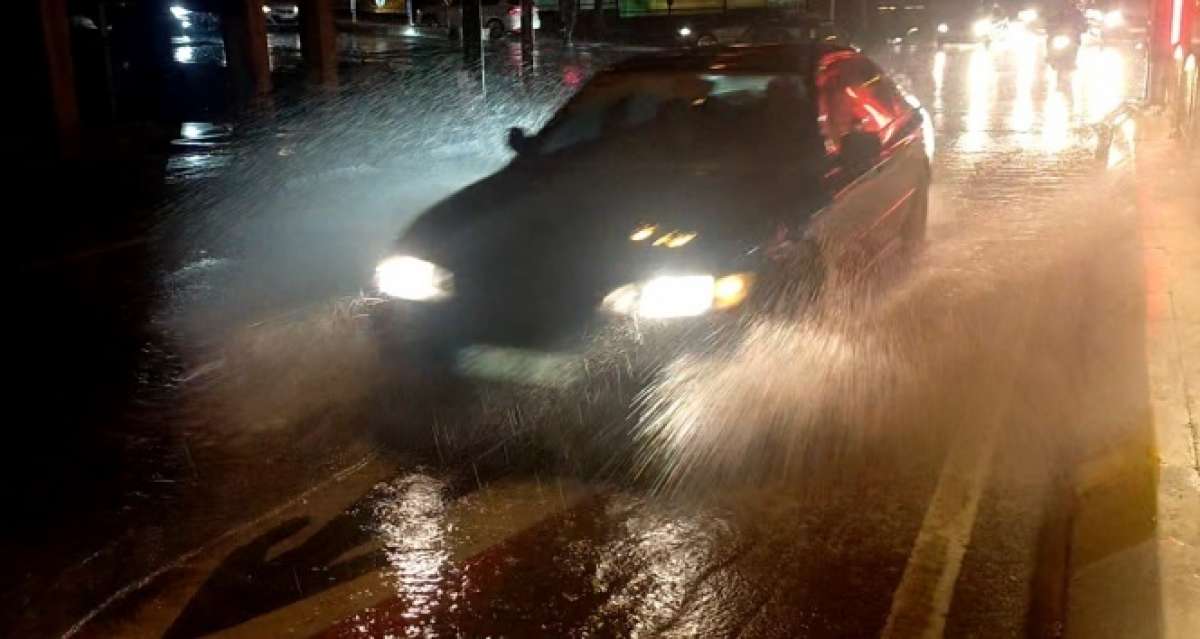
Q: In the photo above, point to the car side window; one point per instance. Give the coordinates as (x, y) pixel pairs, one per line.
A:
(855, 96)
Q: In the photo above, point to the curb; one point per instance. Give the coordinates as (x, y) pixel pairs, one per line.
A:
(1133, 540)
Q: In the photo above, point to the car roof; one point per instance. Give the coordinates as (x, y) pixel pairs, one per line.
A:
(758, 58)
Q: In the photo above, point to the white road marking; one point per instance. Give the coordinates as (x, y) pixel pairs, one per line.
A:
(922, 601)
(142, 583)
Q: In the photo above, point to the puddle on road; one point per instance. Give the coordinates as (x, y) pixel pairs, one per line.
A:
(858, 392)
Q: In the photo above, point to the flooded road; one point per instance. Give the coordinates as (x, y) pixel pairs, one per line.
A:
(895, 465)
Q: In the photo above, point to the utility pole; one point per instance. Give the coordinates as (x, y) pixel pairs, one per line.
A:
(472, 32)
(57, 81)
(318, 41)
(526, 32)
(244, 31)
(597, 19)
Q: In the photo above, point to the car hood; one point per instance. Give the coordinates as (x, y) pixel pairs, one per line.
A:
(534, 211)
(579, 222)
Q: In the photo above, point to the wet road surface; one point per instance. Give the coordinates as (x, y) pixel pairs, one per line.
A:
(895, 468)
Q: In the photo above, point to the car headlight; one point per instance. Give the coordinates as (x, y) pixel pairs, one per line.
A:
(943, 28)
(409, 278)
(679, 295)
(685, 32)
(1114, 19)
(982, 27)
(1060, 42)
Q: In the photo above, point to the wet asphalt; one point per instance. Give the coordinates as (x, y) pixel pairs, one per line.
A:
(896, 466)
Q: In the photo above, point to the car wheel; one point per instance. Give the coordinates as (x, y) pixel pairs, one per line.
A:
(792, 283)
(707, 40)
(495, 30)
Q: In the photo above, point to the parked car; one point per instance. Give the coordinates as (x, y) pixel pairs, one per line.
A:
(757, 28)
(498, 17)
(788, 30)
(281, 14)
(972, 28)
(670, 202)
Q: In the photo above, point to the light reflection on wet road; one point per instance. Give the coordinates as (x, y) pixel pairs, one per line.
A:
(468, 529)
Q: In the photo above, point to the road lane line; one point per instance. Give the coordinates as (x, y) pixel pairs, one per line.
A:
(186, 557)
(922, 601)
(478, 526)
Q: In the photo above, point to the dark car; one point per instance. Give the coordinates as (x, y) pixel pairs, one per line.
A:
(771, 27)
(672, 200)
(785, 29)
(969, 23)
(281, 13)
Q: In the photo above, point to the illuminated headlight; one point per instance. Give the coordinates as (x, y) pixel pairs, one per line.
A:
(982, 28)
(266, 9)
(1114, 19)
(1060, 42)
(685, 32)
(943, 28)
(679, 295)
(410, 278)
(179, 12)
(1027, 15)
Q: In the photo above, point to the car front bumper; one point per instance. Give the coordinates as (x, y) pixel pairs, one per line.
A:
(438, 342)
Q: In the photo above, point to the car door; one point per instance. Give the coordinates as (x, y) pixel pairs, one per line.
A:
(873, 135)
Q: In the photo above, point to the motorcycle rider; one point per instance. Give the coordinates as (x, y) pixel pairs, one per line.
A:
(1068, 19)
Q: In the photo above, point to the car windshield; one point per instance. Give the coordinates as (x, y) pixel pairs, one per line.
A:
(686, 115)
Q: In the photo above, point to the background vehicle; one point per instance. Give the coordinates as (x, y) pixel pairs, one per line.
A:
(764, 28)
(282, 14)
(902, 23)
(1062, 47)
(527, 273)
(498, 17)
(1118, 20)
(963, 23)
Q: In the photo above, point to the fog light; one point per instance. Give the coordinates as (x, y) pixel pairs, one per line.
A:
(731, 290)
(679, 295)
(409, 278)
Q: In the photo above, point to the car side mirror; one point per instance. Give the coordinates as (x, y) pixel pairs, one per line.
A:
(519, 141)
(860, 150)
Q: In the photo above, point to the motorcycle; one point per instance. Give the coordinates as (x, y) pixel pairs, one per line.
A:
(1062, 49)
